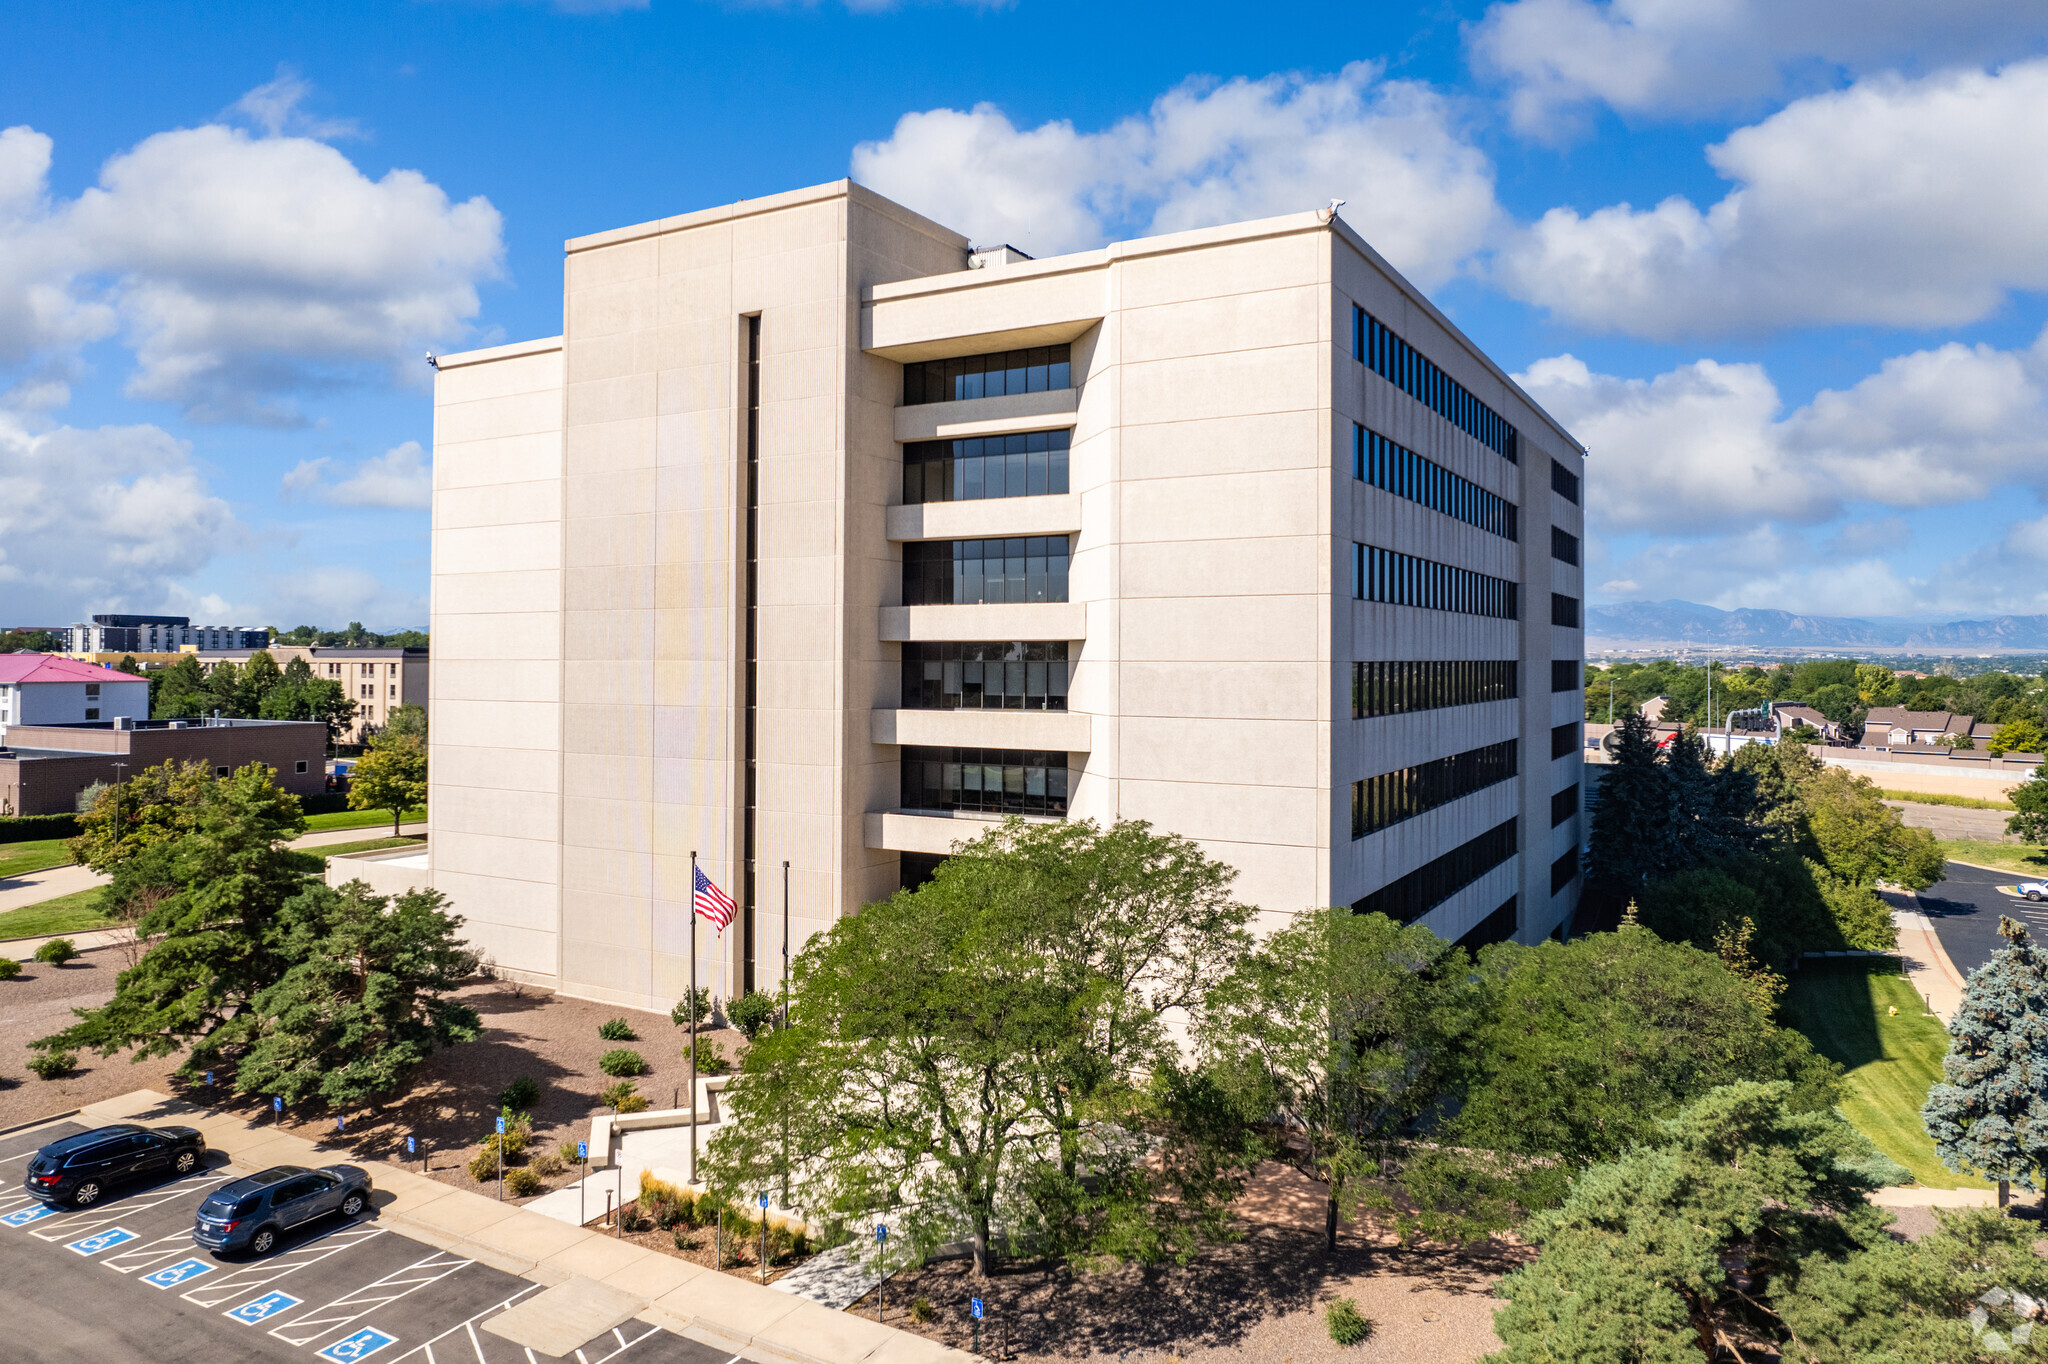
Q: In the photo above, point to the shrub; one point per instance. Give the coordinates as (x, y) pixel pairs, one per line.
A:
(52, 1065)
(631, 1218)
(620, 1061)
(711, 1058)
(518, 1131)
(483, 1166)
(566, 1153)
(781, 1243)
(57, 951)
(546, 1163)
(617, 1030)
(684, 1240)
(680, 1014)
(522, 1094)
(9, 968)
(1348, 1326)
(921, 1310)
(524, 1183)
(623, 1098)
(750, 1012)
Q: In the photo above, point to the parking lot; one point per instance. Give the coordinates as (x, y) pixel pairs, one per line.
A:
(123, 1280)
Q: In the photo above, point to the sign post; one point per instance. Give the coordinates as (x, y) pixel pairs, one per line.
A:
(276, 1112)
(974, 1306)
(583, 1184)
(882, 1288)
(501, 1158)
(764, 1237)
(411, 1150)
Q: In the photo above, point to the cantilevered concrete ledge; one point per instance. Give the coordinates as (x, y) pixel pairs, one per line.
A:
(898, 831)
(1051, 514)
(1052, 730)
(1009, 620)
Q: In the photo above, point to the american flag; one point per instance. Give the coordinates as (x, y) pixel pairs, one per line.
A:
(713, 903)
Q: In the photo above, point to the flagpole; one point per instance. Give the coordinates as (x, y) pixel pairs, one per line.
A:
(690, 1007)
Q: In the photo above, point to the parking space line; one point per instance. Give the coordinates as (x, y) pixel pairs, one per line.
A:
(114, 1209)
(33, 1149)
(266, 1272)
(370, 1297)
(470, 1327)
(171, 1246)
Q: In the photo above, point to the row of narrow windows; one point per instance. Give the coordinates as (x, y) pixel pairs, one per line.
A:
(1398, 687)
(1017, 568)
(956, 675)
(1385, 800)
(1022, 464)
(1375, 345)
(1037, 369)
(1414, 895)
(1399, 470)
(993, 780)
(1387, 575)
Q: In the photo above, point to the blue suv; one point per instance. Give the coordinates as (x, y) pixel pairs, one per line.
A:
(253, 1213)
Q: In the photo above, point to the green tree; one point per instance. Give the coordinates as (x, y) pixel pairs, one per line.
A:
(1348, 1026)
(2030, 799)
(991, 1048)
(1580, 1048)
(223, 690)
(392, 776)
(32, 642)
(1675, 1251)
(1875, 684)
(1633, 836)
(363, 1001)
(155, 805)
(2018, 736)
(1860, 838)
(128, 665)
(225, 881)
(299, 695)
(1989, 1113)
(407, 722)
(180, 691)
(1836, 700)
(258, 677)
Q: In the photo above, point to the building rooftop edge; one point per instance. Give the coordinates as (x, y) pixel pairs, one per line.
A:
(511, 350)
(770, 203)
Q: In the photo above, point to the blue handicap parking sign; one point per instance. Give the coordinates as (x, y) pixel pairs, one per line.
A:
(256, 1309)
(99, 1241)
(21, 1217)
(976, 1304)
(408, 1146)
(170, 1276)
(277, 1105)
(501, 1126)
(361, 1345)
(881, 1232)
(764, 1200)
(583, 1150)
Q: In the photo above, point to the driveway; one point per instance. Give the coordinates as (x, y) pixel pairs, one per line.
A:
(1965, 906)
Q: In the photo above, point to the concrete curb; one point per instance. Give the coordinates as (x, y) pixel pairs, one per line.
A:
(688, 1299)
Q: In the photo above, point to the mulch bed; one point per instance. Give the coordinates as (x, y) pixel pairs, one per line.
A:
(703, 1252)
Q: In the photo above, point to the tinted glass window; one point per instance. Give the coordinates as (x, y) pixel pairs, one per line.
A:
(1035, 370)
(1022, 464)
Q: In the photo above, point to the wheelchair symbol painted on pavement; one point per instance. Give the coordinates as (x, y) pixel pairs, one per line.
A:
(105, 1240)
(257, 1309)
(361, 1345)
(170, 1276)
(21, 1217)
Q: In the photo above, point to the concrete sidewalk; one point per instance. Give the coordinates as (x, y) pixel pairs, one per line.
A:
(1935, 978)
(714, 1309)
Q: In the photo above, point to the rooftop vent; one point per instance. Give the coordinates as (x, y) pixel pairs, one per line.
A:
(987, 257)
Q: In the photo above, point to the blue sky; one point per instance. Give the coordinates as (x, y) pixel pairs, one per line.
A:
(1777, 264)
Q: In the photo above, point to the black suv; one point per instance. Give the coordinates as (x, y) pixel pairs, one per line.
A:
(253, 1212)
(78, 1171)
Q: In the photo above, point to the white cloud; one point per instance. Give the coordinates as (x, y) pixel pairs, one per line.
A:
(1704, 448)
(332, 594)
(100, 519)
(243, 269)
(400, 478)
(1205, 153)
(1901, 203)
(1660, 58)
(275, 109)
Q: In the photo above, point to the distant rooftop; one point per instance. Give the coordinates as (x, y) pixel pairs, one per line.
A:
(56, 668)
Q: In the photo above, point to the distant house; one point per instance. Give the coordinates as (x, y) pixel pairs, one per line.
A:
(1897, 727)
(48, 689)
(1790, 717)
(1653, 709)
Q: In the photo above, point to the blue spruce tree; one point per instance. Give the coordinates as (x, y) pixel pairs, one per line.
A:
(1989, 1114)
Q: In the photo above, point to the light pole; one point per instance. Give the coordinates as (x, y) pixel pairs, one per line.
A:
(118, 769)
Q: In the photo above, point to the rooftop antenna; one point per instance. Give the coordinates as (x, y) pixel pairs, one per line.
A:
(433, 361)
(1331, 212)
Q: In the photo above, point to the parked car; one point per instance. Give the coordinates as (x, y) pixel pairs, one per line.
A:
(2034, 890)
(78, 1171)
(254, 1213)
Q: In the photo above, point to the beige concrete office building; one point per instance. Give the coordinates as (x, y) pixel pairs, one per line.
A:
(821, 537)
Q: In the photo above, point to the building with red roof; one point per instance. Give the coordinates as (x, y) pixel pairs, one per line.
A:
(49, 689)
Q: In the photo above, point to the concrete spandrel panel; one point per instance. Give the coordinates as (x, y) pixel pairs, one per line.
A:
(1254, 443)
(488, 812)
(530, 775)
(1387, 743)
(609, 587)
(508, 859)
(1279, 379)
(984, 416)
(487, 724)
(540, 371)
(504, 634)
(1246, 267)
(616, 356)
(1226, 810)
(1243, 753)
(597, 446)
(532, 457)
(1224, 568)
(1234, 322)
(1055, 730)
(1464, 911)
(499, 504)
(1251, 690)
(461, 679)
(1010, 620)
(1223, 629)
(516, 414)
(1052, 514)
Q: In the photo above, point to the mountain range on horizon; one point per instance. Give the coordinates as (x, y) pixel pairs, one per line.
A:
(1644, 624)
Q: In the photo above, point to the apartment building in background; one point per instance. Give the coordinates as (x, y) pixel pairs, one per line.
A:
(378, 680)
(123, 634)
(821, 538)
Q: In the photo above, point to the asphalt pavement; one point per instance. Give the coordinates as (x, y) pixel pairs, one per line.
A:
(1965, 906)
(123, 1281)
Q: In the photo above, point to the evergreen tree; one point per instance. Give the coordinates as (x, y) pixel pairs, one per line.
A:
(180, 691)
(363, 1001)
(1989, 1114)
(261, 674)
(1633, 836)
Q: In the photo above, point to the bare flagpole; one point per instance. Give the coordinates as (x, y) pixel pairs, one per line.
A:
(690, 1007)
(785, 1023)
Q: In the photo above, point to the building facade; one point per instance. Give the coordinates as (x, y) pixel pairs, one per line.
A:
(819, 539)
(378, 680)
(44, 767)
(122, 634)
(42, 689)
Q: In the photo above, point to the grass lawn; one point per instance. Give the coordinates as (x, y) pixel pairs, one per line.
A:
(315, 859)
(19, 859)
(73, 913)
(1931, 798)
(359, 819)
(1843, 1008)
(2017, 858)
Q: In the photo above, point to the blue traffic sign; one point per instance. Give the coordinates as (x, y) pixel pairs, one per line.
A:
(209, 1078)
(409, 1146)
(277, 1105)
(170, 1276)
(881, 1232)
(583, 1150)
(21, 1217)
(256, 1309)
(764, 1200)
(103, 1240)
(341, 1122)
(361, 1345)
(501, 1125)
(975, 1305)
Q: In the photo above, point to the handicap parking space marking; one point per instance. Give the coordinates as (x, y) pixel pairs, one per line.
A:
(367, 1299)
(99, 1241)
(170, 1276)
(258, 1309)
(425, 1350)
(154, 1252)
(122, 1209)
(361, 1345)
(214, 1292)
(21, 1217)
(29, 1151)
